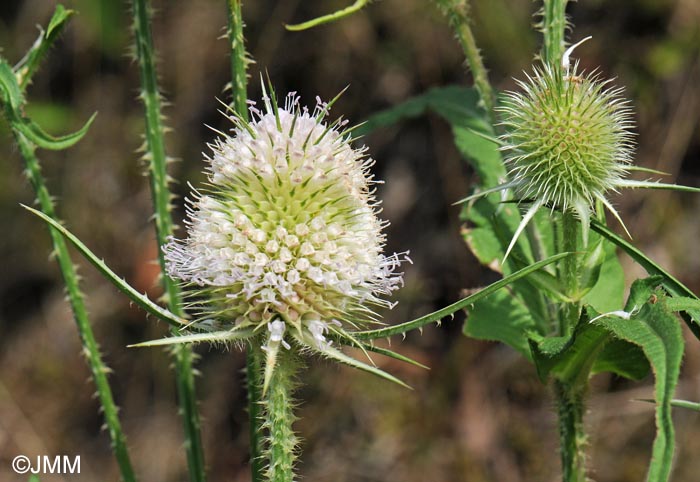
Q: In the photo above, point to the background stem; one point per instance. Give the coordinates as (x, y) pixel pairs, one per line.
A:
(553, 28)
(239, 97)
(457, 13)
(155, 154)
(91, 349)
(572, 437)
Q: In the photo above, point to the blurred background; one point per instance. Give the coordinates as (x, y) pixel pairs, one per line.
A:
(480, 413)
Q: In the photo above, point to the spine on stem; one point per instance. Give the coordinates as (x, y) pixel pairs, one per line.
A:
(157, 162)
(281, 448)
(71, 278)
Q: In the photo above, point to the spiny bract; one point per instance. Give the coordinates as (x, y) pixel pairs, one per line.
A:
(567, 139)
(285, 239)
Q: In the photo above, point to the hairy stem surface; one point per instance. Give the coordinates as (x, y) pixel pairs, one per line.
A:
(91, 349)
(239, 97)
(554, 29)
(457, 13)
(155, 153)
(572, 436)
(282, 442)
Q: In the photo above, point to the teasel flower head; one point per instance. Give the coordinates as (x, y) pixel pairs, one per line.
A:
(567, 143)
(284, 244)
(567, 138)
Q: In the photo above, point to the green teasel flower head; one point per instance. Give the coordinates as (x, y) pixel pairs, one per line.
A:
(567, 143)
(567, 138)
(284, 243)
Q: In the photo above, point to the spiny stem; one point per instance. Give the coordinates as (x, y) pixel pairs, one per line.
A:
(91, 348)
(155, 146)
(254, 382)
(572, 437)
(554, 28)
(457, 13)
(570, 273)
(239, 62)
(282, 442)
(239, 97)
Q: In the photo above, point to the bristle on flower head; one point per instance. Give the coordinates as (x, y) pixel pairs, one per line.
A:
(285, 238)
(567, 139)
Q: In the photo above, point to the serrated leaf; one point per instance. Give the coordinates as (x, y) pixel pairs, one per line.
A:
(670, 283)
(622, 358)
(569, 359)
(654, 328)
(138, 298)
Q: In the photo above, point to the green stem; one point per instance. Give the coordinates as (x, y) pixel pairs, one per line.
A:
(239, 63)
(254, 379)
(457, 13)
(553, 28)
(279, 417)
(572, 436)
(570, 274)
(155, 153)
(239, 97)
(90, 347)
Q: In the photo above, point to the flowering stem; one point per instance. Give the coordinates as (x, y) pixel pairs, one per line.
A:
(279, 416)
(155, 146)
(254, 382)
(457, 13)
(553, 28)
(239, 76)
(572, 437)
(90, 347)
(569, 393)
(239, 97)
(570, 274)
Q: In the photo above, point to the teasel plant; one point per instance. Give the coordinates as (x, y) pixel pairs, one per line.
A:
(284, 248)
(548, 156)
(283, 254)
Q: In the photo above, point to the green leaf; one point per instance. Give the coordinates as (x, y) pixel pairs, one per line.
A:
(141, 300)
(678, 403)
(9, 88)
(572, 359)
(339, 356)
(26, 68)
(393, 354)
(653, 327)
(501, 317)
(607, 294)
(37, 136)
(331, 17)
(436, 316)
(459, 106)
(671, 284)
(213, 337)
(622, 358)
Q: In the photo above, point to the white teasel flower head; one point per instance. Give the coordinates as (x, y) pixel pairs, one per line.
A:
(284, 242)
